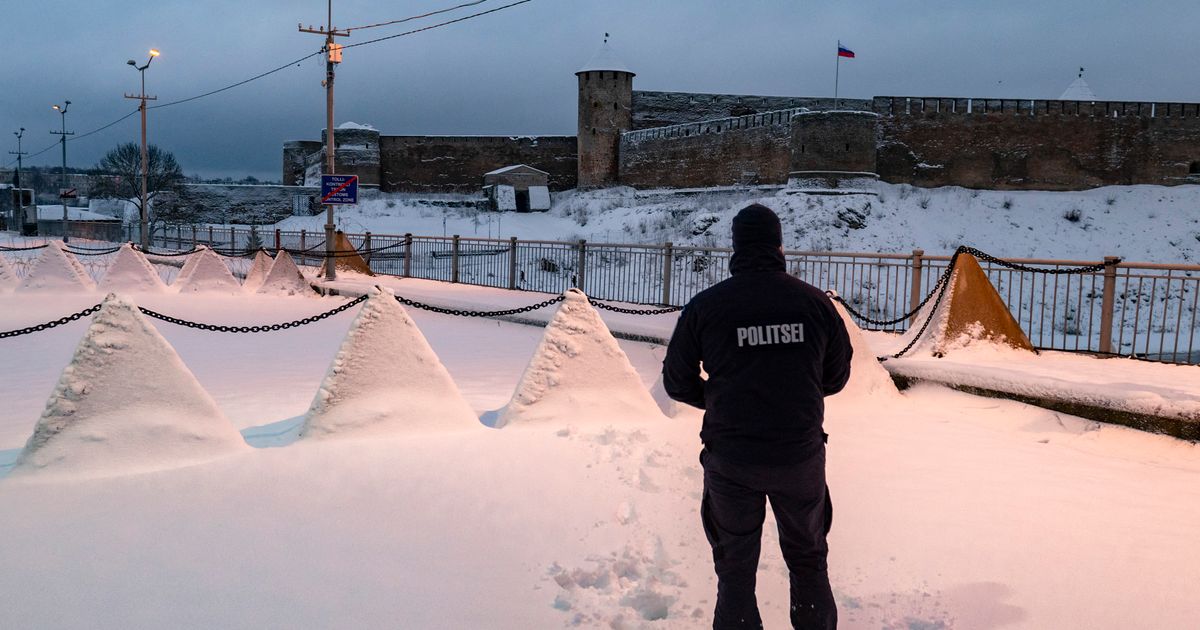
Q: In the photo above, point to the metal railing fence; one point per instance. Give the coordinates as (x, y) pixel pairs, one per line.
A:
(1148, 310)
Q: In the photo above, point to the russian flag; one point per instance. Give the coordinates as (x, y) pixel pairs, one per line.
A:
(845, 52)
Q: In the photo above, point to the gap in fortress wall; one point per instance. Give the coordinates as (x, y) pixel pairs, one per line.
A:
(654, 139)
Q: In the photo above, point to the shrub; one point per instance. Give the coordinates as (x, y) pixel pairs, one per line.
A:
(1007, 204)
(1074, 215)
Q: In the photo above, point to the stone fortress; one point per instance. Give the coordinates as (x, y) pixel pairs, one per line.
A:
(648, 139)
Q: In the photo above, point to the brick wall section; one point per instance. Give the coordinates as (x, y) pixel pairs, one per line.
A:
(659, 109)
(1040, 145)
(834, 141)
(604, 112)
(757, 155)
(457, 163)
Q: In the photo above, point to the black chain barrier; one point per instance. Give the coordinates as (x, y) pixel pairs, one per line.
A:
(943, 283)
(4, 248)
(468, 313)
(257, 328)
(634, 311)
(50, 324)
(93, 252)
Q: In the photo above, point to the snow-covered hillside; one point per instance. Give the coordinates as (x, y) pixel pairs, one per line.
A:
(1138, 223)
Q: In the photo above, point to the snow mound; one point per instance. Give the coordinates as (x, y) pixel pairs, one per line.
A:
(350, 124)
(209, 274)
(386, 379)
(623, 590)
(258, 272)
(190, 264)
(57, 270)
(868, 377)
(125, 404)
(579, 373)
(8, 276)
(284, 278)
(130, 271)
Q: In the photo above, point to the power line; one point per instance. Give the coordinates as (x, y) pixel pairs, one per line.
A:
(240, 83)
(417, 17)
(78, 137)
(441, 24)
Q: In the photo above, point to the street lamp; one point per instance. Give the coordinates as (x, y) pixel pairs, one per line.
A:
(62, 109)
(19, 202)
(144, 236)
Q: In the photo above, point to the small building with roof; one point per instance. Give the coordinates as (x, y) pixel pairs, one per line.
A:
(520, 188)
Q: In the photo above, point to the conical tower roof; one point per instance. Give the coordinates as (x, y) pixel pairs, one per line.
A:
(578, 369)
(605, 60)
(126, 404)
(1079, 90)
(386, 380)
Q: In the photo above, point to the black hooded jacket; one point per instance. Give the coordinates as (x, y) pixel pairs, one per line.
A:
(773, 347)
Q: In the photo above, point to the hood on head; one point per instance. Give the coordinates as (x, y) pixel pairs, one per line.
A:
(757, 241)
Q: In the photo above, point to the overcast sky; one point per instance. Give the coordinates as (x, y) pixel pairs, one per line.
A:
(512, 72)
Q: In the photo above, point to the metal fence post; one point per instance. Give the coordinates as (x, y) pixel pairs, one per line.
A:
(128, 229)
(668, 256)
(232, 238)
(303, 253)
(193, 236)
(512, 262)
(1108, 304)
(210, 236)
(367, 248)
(454, 259)
(407, 255)
(582, 265)
(914, 293)
(278, 240)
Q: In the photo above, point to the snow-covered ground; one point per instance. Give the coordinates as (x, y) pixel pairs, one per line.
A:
(1137, 223)
(951, 511)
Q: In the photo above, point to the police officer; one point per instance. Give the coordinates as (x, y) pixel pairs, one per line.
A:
(773, 348)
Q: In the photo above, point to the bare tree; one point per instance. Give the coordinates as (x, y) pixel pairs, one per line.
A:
(165, 181)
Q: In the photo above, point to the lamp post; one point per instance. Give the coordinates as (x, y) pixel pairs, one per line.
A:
(143, 232)
(62, 109)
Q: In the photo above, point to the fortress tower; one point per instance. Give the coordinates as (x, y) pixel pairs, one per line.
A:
(605, 110)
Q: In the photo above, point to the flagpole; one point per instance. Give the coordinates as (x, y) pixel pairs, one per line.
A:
(836, 73)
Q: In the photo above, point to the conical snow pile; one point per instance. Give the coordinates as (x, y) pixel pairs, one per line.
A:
(868, 377)
(284, 278)
(579, 373)
(189, 264)
(208, 275)
(258, 272)
(386, 380)
(57, 270)
(125, 404)
(8, 276)
(131, 272)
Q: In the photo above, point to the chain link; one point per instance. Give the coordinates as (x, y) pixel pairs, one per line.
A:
(50, 324)
(986, 257)
(257, 328)
(466, 313)
(634, 311)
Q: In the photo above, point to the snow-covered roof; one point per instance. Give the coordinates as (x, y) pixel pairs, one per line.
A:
(350, 124)
(55, 213)
(1079, 90)
(605, 59)
(515, 167)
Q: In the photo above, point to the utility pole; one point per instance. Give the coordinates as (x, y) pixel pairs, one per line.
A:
(144, 235)
(63, 141)
(19, 201)
(333, 56)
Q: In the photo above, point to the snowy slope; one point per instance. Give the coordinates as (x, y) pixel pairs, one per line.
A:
(1138, 223)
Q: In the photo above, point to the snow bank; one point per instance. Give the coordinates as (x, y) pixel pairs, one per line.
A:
(125, 404)
(209, 274)
(285, 278)
(190, 264)
(8, 276)
(57, 270)
(385, 379)
(258, 272)
(350, 124)
(130, 271)
(578, 372)
(867, 376)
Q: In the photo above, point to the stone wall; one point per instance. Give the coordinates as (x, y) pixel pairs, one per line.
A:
(234, 203)
(604, 114)
(746, 150)
(457, 163)
(1038, 145)
(659, 109)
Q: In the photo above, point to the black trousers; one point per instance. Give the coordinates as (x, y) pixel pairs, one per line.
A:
(733, 510)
